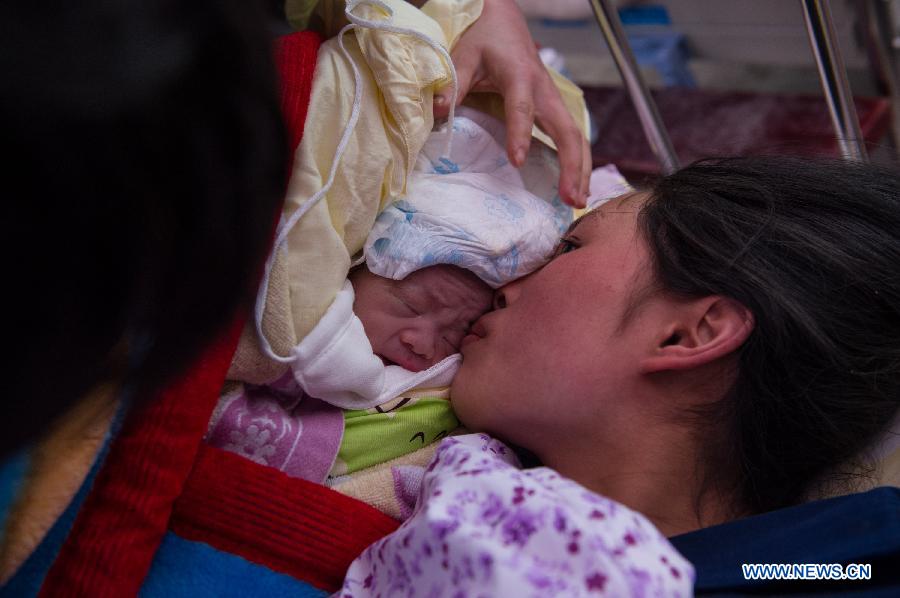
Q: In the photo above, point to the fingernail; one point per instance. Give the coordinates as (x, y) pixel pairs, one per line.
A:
(520, 156)
(440, 100)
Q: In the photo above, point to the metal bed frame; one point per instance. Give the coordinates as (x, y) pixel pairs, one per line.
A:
(824, 44)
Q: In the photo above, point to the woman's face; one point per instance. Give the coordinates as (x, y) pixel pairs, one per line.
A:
(559, 354)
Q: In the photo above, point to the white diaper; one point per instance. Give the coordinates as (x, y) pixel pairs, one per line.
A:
(472, 208)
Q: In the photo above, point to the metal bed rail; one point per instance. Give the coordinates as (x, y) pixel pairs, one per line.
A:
(823, 41)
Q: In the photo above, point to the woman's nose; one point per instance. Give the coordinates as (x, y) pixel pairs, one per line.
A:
(499, 299)
(505, 295)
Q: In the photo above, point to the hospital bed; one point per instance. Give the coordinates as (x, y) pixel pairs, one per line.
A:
(165, 514)
(825, 49)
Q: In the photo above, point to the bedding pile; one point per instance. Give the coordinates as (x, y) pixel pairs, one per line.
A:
(375, 83)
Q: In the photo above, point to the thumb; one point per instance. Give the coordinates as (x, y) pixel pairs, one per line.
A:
(442, 102)
(465, 72)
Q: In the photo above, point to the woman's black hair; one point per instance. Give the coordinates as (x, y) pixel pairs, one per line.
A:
(812, 248)
(144, 167)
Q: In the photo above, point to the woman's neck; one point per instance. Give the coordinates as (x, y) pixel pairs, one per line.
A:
(658, 477)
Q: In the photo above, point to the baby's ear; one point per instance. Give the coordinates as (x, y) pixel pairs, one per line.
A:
(705, 330)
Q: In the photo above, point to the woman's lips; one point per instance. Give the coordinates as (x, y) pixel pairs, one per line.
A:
(477, 333)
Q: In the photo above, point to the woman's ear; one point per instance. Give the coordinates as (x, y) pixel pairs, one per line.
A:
(703, 331)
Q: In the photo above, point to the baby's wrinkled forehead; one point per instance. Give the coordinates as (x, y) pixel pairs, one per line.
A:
(447, 286)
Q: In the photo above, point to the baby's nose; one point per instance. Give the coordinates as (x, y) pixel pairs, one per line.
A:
(419, 340)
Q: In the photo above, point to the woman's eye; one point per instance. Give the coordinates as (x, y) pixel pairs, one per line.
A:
(564, 246)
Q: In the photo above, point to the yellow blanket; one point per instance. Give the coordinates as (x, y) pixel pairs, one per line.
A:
(399, 75)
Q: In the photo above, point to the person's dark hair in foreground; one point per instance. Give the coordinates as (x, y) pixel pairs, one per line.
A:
(147, 166)
(812, 248)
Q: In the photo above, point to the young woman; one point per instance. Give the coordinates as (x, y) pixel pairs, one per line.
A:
(698, 352)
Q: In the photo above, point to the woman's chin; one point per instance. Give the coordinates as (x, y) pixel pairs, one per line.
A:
(463, 396)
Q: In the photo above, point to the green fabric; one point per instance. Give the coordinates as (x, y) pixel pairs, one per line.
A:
(373, 438)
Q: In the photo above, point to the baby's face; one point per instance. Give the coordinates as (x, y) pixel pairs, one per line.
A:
(418, 321)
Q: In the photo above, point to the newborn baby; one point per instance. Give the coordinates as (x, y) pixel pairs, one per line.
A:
(470, 222)
(418, 321)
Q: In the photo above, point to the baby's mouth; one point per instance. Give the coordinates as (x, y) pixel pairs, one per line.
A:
(407, 364)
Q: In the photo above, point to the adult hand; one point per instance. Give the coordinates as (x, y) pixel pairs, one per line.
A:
(498, 54)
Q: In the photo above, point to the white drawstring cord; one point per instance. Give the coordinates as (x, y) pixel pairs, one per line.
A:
(386, 26)
(284, 227)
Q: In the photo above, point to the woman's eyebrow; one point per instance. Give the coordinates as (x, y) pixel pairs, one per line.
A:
(574, 224)
(600, 212)
(593, 213)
